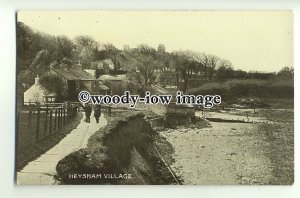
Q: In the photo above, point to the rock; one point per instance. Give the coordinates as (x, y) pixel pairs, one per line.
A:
(74, 163)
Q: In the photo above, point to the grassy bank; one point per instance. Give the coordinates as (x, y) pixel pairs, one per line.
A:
(38, 148)
(125, 146)
(232, 90)
(280, 151)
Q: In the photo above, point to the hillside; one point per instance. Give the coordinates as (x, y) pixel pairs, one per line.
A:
(234, 90)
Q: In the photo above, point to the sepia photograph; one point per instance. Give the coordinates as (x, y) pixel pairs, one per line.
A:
(154, 97)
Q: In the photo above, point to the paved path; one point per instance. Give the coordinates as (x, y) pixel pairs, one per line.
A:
(42, 170)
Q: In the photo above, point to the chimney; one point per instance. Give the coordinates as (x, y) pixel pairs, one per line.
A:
(79, 66)
(37, 80)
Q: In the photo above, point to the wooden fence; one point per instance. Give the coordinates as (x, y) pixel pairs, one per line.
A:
(37, 123)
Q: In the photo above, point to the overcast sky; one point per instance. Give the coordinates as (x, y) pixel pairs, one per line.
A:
(257, 40)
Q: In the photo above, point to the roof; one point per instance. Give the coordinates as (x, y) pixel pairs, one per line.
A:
(100, 87)
(74, 74)
(121, 77)
(103, 87)
(91, 71)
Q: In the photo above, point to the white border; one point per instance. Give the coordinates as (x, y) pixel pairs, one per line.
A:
(8, 9)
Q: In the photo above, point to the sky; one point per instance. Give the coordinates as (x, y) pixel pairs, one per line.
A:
(251, 40)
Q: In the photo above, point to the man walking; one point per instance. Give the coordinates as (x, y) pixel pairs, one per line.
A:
(88, 111)
(97, 112)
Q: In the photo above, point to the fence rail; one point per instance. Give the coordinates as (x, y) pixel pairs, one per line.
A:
(37, 123)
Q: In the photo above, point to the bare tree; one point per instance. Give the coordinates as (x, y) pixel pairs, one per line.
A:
(86, 48)
(224, 70)
(181, 66)
(205, 63)
(286, 73)
(146, 49)
(147, 62)
(213, 63)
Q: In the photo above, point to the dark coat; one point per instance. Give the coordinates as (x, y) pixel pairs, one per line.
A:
(97, 111)
(88, 111)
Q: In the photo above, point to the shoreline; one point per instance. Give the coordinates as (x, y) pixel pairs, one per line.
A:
(233, 153)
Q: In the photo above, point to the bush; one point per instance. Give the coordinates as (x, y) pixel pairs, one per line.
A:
(230, 91)
(118, 88)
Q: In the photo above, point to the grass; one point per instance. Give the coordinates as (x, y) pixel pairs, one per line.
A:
(125, 145)
(232, 90)
(280, 136)
(31, 130)
(28, 128)
(284, 103)
(228, 84)
(234, 82)
(32, 149)
(136, 133)
(283, 116)
(281, 145)
(280, 150)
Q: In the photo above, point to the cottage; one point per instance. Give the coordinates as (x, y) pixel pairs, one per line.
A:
(38, 94)
(76, 80)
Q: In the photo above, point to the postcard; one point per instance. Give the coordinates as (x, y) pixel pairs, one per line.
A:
(154, 97)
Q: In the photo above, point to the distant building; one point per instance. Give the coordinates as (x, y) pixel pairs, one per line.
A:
(161, 48)
(38, 94)
(104, 65)
(126, 47)
(76, 79)
(112, 77)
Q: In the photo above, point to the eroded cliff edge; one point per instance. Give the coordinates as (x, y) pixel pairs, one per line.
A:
(123, 152)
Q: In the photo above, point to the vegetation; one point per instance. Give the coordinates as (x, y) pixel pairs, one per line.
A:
(252, 93)
(118, 88)
(28, 147)
(125, 145)
(38, 52)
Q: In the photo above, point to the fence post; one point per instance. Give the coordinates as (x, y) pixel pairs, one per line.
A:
(60, 115)
(50, 127)
(45, 123)
(55, 119)
(72, 111)
(37, 125)
(68, 115)
(59, 118)
(64, 116)
(29, 119)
